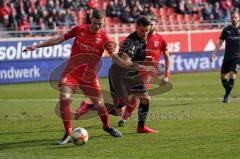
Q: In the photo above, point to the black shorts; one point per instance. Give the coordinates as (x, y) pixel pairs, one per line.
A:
(123, 82)
(229, 65)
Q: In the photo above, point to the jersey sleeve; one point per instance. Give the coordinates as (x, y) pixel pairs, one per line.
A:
(223, 34)
(164, 45)
(128, 47)
(71, 33)
(109, 45)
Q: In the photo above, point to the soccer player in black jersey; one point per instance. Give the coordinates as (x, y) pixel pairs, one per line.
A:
(125, 82)
(231, 61)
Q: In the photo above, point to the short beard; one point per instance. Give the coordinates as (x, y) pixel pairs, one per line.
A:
(151, 31)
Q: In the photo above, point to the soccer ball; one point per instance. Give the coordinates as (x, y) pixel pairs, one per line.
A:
(79, 136)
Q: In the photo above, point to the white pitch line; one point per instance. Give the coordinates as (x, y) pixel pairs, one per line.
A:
(189, 99)
(28, 100)
(154, 99)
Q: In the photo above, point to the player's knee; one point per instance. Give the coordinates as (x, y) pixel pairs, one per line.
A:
(233, 75)
(99, 103)
(145, 100)
(223, 76)
(65, 96)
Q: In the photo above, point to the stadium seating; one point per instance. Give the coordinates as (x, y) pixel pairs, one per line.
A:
(168, 19)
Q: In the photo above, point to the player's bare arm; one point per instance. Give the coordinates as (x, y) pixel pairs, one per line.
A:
(124, 61)
(167, 68)
(50, 42)
(219, 44)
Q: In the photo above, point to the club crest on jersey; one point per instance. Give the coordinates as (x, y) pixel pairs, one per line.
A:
(97, 41)
(133, 47)
(156, 43)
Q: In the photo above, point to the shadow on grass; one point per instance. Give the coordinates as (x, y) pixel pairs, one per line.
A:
(29, 132)
(30, 143)
(70, 145)
(39, 142)
(41, 131)
(107, 135)
(52, 143)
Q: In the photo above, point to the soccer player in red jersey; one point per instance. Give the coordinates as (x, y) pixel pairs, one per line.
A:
(88, 47)
(156, 45)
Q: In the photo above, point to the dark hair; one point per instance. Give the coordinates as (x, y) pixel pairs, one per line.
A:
(153, 18)
(143, 21)
(235, 12)
(98, 14)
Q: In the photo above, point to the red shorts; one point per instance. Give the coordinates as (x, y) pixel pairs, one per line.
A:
(90, 88)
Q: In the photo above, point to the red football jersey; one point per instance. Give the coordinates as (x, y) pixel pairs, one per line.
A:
(86, 51)
(155, 45)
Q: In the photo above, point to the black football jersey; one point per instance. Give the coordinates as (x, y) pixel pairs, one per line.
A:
(231, 36)
(134, 46)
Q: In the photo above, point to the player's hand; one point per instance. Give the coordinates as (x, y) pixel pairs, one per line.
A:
(30, 48)
(213, 57)
(149, 59)
(111, 47)
(163, 81)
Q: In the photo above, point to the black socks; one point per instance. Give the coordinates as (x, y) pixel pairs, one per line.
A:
(228, 85)
(225, 84)
(142, 114)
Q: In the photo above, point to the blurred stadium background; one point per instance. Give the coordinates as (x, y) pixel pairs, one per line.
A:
(189, 26)
(43, 17)
(193, 121)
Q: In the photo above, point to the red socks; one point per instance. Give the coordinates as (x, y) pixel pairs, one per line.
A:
(66, 114)
(103, 114)
(128, 110)
(131, 108)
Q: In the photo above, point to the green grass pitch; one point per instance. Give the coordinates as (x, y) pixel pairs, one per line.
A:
(192, 120)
